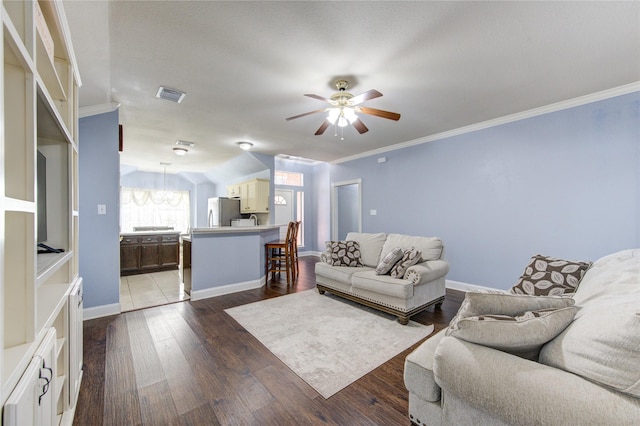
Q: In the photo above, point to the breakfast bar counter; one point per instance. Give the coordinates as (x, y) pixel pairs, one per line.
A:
(226, 259)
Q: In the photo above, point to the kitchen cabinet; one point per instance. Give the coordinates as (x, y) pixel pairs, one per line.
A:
(233, 190)
(254, 196)
(129, 254)
(143, 253)
(39, 90)
(169, 250)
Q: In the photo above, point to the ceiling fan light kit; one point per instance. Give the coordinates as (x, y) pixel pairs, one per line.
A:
(245, 146)
(180, 151)
(344, 107)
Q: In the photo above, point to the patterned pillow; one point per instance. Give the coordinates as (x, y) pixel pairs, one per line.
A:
(548, 276)
(389, 261)
(409, 258)
(342, 253)
(522, 335)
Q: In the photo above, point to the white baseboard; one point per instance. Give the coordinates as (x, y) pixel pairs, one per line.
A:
(309, 253)
(458, 285)
(101, 311)
(227, 289)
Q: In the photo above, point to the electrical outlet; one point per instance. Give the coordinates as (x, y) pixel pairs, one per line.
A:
(102, 209)
(373, 212)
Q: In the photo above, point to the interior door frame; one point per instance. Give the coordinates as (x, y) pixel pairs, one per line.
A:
(335, 207)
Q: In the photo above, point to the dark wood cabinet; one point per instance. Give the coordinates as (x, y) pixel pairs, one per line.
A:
(142, 253)
(169, 250)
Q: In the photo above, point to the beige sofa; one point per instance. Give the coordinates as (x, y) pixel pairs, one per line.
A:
(421, 286)
(588, 375)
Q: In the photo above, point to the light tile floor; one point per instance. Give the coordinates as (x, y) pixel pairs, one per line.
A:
(156, 288)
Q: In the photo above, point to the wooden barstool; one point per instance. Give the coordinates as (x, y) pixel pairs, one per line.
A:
(279, 256)
(296, 265)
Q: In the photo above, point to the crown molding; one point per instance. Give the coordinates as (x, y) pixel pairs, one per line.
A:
(90, 110)
(559, 106)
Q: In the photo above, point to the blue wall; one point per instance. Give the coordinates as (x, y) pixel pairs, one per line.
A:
(564, 184)
(99, 173)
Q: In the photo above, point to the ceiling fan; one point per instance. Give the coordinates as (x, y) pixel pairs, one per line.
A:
(344, 107)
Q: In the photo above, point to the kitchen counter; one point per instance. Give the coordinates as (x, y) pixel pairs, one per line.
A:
(234, 229)
(227, 259)
(138, 233)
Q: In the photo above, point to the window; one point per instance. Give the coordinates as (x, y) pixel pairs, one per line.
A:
(287, 178)
(279, 200)
(152, 207)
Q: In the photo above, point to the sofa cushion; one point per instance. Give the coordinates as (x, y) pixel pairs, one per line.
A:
(603, 342)
(521, 335)
(430, 247)
(480, 303)
(342, 253)
(382, 284)
(409, 258)
(341, 274)
(550, 276)
(370, 246)
(387, 262)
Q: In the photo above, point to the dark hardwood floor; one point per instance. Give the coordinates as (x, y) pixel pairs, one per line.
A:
(189, 363)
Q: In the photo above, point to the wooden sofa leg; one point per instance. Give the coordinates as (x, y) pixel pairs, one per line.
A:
(403, 320)
(320, 291)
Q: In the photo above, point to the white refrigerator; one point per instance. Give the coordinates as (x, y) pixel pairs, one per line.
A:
(222, 211)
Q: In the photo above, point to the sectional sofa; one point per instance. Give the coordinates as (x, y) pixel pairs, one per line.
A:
(587, 374)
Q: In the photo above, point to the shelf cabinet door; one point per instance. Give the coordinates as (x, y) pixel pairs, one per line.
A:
(75, 341)
(21, 407)
(33, 400)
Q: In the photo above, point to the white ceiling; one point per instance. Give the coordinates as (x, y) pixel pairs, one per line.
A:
(246, 65)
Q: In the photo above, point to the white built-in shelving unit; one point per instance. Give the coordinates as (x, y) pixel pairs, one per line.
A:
(41, 322)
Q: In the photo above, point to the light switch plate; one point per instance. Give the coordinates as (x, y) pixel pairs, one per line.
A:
(373, 212)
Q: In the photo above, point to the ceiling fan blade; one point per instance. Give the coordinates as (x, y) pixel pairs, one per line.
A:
(322, 128)
(370, 94)
(379, 113)
(359, 126)
(318, 97)
(305, 114)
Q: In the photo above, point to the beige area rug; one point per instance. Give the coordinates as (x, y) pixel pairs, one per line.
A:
(327, 341)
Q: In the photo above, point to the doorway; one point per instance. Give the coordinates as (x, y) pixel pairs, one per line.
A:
(346, 208)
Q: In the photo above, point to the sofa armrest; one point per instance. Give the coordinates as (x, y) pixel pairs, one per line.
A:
(418, 370)
(427, 271)
(523, 392)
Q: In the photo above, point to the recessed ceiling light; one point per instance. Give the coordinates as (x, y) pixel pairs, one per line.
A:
(171, 95)
(179, 151)
(245, 146)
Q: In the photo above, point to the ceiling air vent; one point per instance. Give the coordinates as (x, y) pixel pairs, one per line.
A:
(171, 95)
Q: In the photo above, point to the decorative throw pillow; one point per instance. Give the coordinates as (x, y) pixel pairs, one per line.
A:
(389, 261)
(549, 276)
(342, 253)
(522, 335)
(477, 303)
(409, 258)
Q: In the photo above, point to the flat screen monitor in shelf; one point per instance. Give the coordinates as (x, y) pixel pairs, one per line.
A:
(42, 197)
